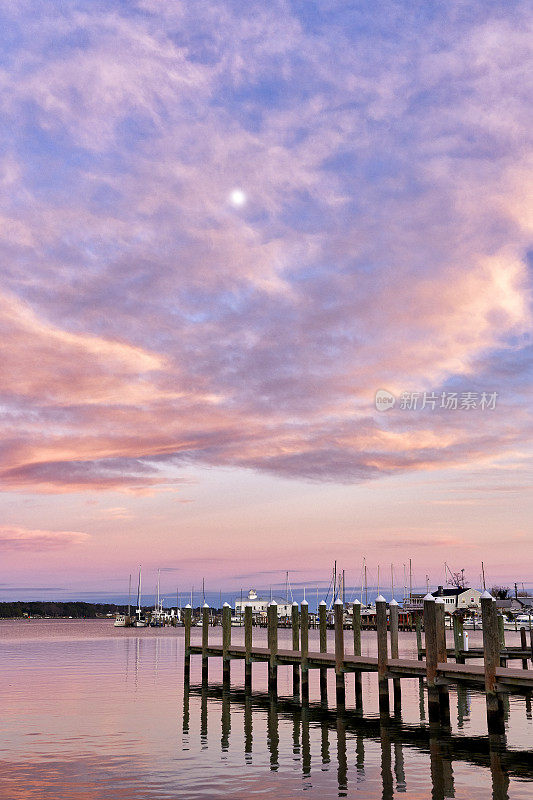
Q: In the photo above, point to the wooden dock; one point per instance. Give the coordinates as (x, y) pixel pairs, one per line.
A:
(432, 666)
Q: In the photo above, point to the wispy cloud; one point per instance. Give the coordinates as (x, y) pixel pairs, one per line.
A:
(384, 159)
(17, 538)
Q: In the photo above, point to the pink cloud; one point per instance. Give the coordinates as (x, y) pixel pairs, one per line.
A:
(17, 539)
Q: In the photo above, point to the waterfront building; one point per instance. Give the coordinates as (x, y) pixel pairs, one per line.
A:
(259, 605)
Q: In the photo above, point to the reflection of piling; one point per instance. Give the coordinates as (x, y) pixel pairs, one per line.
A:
(295, 624)
(339, 653)
(386, 764)
(225, 722)
(306, 744)
(305, 652)
(491, 653)
(356, 625)
(273, 732)
(381, 624)
(322, 622)
(226, 644)
(342, 761)
(187, 622)
(248, 727)
(394, 653)
(248, 648)
(272, 633)
(500, 777)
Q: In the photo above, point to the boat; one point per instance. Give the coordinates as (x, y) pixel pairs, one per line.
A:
(140, 621)
(124, 620)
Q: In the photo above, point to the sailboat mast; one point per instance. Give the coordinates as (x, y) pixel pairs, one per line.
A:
(139, 593)
(366, 588)
(129, 597)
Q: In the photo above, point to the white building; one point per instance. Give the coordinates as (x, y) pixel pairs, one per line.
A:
(259, 605)
(459, 599)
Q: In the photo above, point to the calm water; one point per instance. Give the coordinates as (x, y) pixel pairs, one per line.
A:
(92, 712)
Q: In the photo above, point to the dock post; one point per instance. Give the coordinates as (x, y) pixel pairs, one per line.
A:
(322, 621)
(394, 617)
(339, 653)
(356, 624)
(272, 620)
(305, 651)
(295, 622)
(501, 631)
(491, 653)
(381, 626)
(523, 645)
(205, 643)
(458, 639)
(430, 635)
(442, 657)
(248, 648)
(418, 628)
(187, 622)
(226, 643)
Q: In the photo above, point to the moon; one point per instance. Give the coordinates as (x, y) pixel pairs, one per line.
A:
(237, 198)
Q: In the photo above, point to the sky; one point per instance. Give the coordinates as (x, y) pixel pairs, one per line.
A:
(224, 227)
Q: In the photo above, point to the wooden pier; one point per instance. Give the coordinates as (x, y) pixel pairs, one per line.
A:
(432, 668)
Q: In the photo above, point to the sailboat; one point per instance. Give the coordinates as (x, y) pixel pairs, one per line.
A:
(123, 620)
(140, 622)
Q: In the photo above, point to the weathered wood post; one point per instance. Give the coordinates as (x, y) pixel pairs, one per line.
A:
(322, 621)
(295, 622)
(226, 644)
(418, 627)
(272, 621)
(458, 639)
(339, 653)
(491, 653)
(430, 635)
(523, 645)
(187, 622)
(248, 648)
(305, 651)
(356, 625)
(501, 632)
(205, 643)
(442, 657)
(394, 616)
(381, 626)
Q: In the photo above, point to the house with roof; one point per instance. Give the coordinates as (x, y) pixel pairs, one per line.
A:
(459, 599)
(259, 605)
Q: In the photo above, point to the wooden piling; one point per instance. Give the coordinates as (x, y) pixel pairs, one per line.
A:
(295, 623)
(356, 625)
(381, 625)
(523, 645)
(430, 635)
(187, 623)
(418, 628)
(272, 633)
(339, 653)
(304, 649)
(322, 622)
(226, 644)
(491, 654)
(501, 632)
(442, 657)
(248, 648)
(205, 643)
(458, 639)
(394, 653)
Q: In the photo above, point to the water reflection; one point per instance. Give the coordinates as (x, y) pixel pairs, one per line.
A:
(344, 739)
